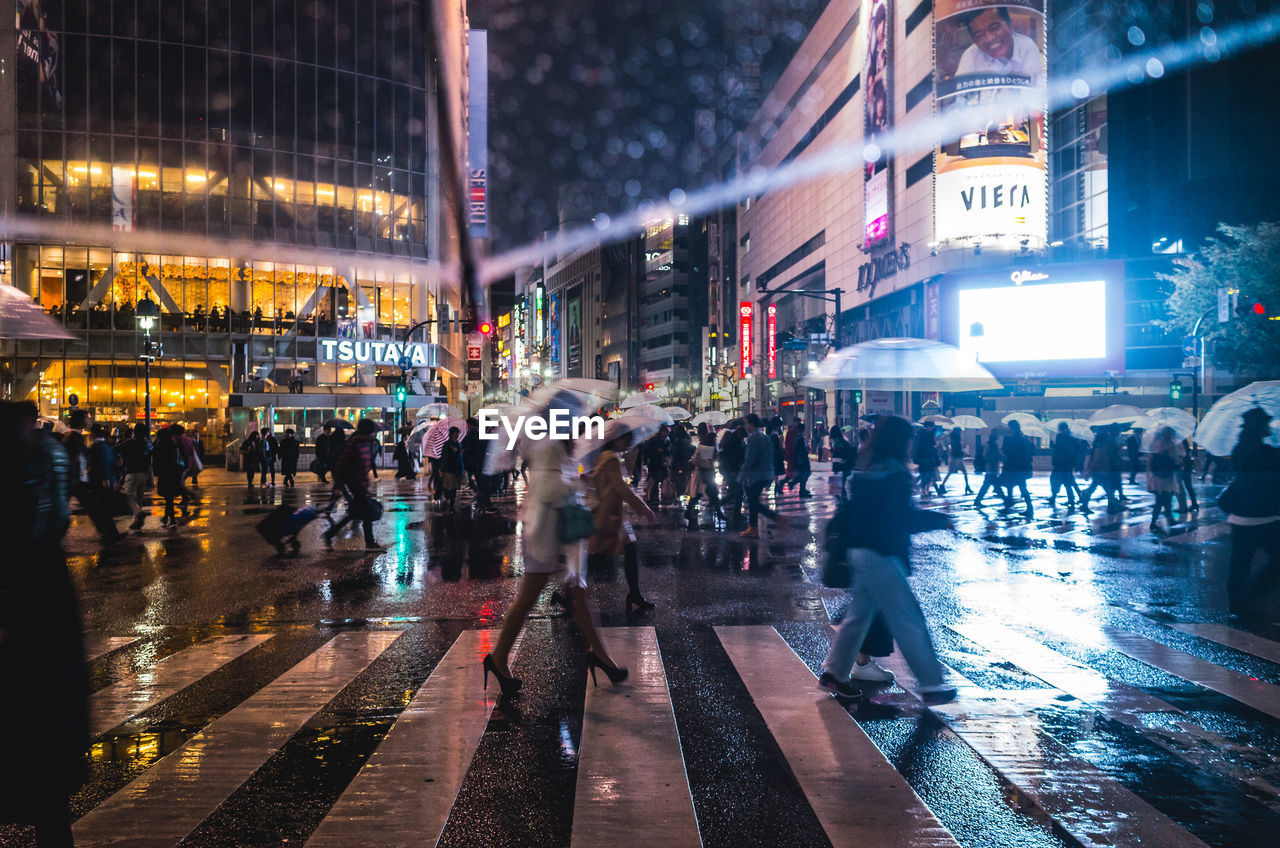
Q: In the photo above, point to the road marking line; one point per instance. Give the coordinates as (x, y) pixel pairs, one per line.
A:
(858, 796)
(1232, 638)
(1127, 705)
(631, 774)
(1263, 697)
(103, 645)
(139, 692)
(168, 801)
(403, 794)
(1202, 534)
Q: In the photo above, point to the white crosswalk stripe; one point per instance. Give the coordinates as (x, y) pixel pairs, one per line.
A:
(631, 782)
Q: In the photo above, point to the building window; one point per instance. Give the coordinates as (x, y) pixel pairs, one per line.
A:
(921, 169)
(918, 15)
(919, 92)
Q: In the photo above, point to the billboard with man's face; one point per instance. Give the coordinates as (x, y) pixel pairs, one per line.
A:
(990, 175)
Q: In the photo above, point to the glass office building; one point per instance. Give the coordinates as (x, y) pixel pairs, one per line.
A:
(265, 171)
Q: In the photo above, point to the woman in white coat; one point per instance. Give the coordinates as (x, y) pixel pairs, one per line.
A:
(545, 556)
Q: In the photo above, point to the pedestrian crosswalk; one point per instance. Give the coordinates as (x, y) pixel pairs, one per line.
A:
(629, 742)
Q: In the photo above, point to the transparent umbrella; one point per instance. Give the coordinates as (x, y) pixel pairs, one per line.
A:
(1182, 422)
(649, 412)
(438, 410)
(1219, 430)
(969, 422)
(1031, 426)
(712, 418)
(678, 413)
(1075, 426)
(1117, 413)
(639, 399)
(940, 421)
(22, 318)
(905, 365)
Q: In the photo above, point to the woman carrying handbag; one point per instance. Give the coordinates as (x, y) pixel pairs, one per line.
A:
(550, 509)
(613, 534)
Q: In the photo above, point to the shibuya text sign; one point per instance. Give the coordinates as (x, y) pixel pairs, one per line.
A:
(361, 352)
(556, 424)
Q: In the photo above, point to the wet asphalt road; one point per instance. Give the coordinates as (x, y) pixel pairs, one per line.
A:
(1047, 624)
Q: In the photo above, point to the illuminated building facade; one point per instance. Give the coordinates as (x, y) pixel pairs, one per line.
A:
(266, 172)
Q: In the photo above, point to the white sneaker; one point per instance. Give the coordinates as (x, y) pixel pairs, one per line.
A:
(872, 671)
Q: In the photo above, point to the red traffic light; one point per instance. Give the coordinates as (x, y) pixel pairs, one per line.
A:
(1259, 309)
(486, 328)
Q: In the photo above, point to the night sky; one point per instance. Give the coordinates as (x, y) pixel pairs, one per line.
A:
(605, 92)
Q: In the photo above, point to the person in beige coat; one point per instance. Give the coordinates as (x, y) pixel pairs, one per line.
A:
(613, 534)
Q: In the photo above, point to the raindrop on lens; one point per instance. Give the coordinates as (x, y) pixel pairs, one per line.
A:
(677, 197)
(1079, 89)
(602, 221)
(1137, 37)
(1155, 68)
(871, 152)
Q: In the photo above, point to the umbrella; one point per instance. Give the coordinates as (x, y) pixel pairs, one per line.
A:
(712, 418)
(1182, 422)
(1075, 426)
(586, 450)
(906, 365)
(339, 424)
(649, 412)
(57, 425)
(1117, 413)
(678, 413)
(579, 395)
(438, 410)
(438, 433)
(1220, 429)
(1031, 426)
(638, 399)
(968, 422)
(939, 421)
(22, 318)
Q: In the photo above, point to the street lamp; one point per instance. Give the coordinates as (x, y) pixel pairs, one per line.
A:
(147, 314)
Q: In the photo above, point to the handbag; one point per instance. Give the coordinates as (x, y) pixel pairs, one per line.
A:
(315, 466)
(576, 523)
(372, 509)
(836, 573)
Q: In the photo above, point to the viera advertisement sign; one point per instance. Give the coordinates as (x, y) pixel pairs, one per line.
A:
(990, 174)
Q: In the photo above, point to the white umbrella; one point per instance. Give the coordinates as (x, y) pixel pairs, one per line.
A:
(1219, 430)
(1117, 413)
(56, 425)
(969, 422)
(678, 413)
(712, 418)
(939, 421)
(22, 318)
(905, 365)
(639, 399)
(1031, 426)
(649, 412)
(438, 410)
(579, 395)
(1075, 426)
(438, 433)
(1182, 423)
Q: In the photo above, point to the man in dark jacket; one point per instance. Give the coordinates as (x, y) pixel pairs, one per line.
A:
(1133, 447)
(270, 453)
(732, 453)
(1017, 467)
(351, 475)
(322, 453)
(135, 453)
(1062, 471)
(100, 485)
(759, 469)
(289, 450)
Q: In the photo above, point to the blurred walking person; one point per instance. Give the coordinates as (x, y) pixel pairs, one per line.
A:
(844, 457)
(1163, 465)
(190, 460)
(613, 534)
(452, 469)
(321, 462)
(798, 466)
(270, 453)
(1062, 467)
(351, 476)
(1252, 504)
(925, 456)
(546, 555)
(290, 449)
(1017, 467)
(992, 460)
(733, 453)
(43, 675)
(702, 479)
(135, 453)
(1106, 470)
(404, 459)
(169, 465)
(955, 459)
(878, 549)
(759, 470)
(1186, 478)
(251, 456)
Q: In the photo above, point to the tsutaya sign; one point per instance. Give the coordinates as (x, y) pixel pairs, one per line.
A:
(373, 353)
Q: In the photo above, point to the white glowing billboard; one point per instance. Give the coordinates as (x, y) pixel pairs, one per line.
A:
(1045, 322)
(990, 168)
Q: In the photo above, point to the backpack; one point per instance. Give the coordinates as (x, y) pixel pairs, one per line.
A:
(835, 546)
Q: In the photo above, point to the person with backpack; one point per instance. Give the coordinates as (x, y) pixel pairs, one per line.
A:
(251, 456)
(351, 477)
(876, 541)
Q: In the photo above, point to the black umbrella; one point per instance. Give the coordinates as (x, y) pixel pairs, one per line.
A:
(339, 424)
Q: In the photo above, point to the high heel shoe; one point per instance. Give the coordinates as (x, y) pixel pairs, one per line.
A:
(509, 685)
(616, 674)
(639, 603)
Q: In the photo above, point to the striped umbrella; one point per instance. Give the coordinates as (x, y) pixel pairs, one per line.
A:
(1219, 430)
(438, 434)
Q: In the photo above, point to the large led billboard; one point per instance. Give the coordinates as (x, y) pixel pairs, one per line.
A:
(1033, 323)
(990, 168)
(877, 75)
